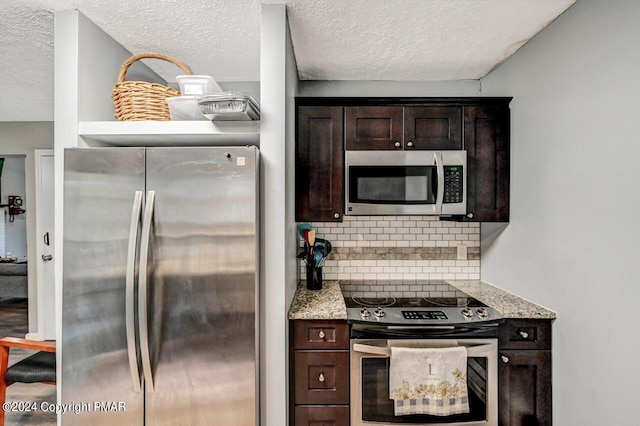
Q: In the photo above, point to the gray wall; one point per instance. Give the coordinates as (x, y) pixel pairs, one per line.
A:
(572, 243)
(13, 183)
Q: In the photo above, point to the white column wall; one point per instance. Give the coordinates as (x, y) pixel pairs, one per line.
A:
(278, 85)
(572, 242)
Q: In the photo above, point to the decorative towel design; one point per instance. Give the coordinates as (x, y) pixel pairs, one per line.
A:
(429, 381)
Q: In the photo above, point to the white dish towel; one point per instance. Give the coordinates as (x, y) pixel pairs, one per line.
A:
(429, 381)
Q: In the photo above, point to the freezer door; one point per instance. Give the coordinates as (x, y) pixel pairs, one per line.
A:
(202, 286)
(99, 192)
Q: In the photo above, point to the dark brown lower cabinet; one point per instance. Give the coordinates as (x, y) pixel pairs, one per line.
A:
(525, 388)
(319, 373)
(524, 373)
(327, 415)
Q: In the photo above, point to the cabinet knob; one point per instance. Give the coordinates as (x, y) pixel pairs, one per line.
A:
(336, 215)
(470, 215)
(505, 359)
(321, 334)
(410, 144)
(321, 378)
(397, 144)
(523, 334)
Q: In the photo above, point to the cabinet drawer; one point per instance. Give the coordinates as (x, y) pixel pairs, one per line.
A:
(525, 334)
(321, 335)
(321, 377)
(331, 415)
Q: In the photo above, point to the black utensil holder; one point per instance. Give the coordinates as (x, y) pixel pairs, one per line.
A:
(314, 274)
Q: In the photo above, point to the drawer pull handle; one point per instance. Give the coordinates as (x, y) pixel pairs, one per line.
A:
(397, 144)
(524, 334)
(321, 378)
(505, 359)
(321, 334)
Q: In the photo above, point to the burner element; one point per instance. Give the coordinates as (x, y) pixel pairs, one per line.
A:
(452, 302)
(374, 302)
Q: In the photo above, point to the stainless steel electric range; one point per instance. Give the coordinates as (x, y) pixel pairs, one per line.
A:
(441, 317)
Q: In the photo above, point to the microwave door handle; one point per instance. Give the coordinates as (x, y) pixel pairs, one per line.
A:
(440, 171)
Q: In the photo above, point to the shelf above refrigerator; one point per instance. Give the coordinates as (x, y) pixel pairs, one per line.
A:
(166, 133)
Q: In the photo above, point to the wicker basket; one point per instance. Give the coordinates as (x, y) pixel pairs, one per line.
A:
(139, 100)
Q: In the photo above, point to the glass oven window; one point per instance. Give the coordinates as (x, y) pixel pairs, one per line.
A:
(378, 407)
(393, 184)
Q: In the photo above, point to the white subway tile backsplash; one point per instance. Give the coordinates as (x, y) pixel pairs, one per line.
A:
(401, 249)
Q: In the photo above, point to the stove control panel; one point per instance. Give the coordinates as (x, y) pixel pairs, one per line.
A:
(417, 316)
(424, 315)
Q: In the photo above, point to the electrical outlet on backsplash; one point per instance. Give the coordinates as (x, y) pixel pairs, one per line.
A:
(397, 251)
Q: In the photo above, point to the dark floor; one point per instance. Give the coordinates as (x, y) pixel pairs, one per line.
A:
(14, 323)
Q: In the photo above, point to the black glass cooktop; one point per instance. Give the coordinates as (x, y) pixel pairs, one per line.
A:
(412, 302)
(426, 299)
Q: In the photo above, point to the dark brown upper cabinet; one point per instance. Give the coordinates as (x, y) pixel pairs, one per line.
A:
(433, 127)
(326, 126)
(319, 164)
(373, 127)
(396, 127)
(486, 139)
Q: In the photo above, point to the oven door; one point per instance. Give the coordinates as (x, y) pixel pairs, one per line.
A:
(370, 402)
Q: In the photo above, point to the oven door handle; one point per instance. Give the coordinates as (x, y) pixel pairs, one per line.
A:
(372, 350)
(472, 350)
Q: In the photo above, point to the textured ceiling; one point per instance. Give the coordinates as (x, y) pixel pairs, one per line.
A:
(402, 40)
(412, 40)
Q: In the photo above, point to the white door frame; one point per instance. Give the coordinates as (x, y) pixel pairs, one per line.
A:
(45, 275)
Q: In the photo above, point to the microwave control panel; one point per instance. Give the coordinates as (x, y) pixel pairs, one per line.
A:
(453, 185)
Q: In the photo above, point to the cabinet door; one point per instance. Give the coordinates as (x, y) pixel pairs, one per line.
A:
(375, 127)
(326, 415)
(433, 127)
(525, 388)
(319, 164)
(486, 139)
(322, 377)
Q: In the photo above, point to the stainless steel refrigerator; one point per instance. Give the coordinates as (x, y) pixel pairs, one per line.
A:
(160, 273)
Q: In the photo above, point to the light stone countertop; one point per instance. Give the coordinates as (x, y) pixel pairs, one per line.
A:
(508, 304)
(328, 303)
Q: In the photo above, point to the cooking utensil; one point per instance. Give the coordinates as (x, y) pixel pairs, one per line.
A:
(303, 227)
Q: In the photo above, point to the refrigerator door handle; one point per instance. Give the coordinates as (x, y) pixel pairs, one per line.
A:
(142, 291)
(136, 211)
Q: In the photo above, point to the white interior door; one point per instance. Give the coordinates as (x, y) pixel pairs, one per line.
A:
(45, 256)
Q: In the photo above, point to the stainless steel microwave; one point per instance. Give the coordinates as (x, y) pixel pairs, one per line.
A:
(405, 182)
